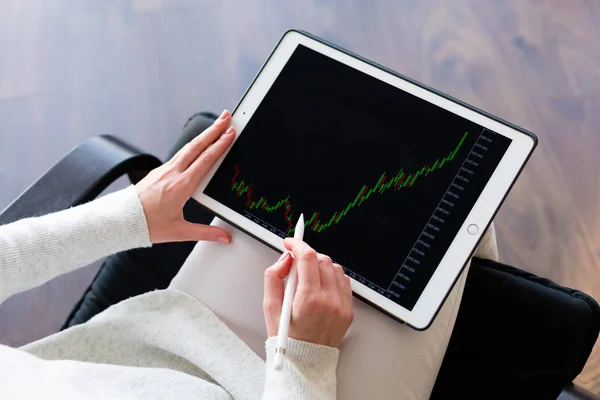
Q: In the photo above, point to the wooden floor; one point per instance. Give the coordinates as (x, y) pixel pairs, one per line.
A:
(71, 69)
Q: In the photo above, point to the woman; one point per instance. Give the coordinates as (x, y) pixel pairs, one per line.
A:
(166, 344)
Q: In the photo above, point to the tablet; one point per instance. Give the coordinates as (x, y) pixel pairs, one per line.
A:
(397, 182)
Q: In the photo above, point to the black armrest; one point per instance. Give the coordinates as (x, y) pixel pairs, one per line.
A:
(80, 176)
(517, 336)
(574, 392)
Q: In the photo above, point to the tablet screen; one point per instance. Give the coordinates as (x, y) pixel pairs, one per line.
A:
(384, 179)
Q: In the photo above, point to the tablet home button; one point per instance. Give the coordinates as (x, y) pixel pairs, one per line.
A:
(472, 229)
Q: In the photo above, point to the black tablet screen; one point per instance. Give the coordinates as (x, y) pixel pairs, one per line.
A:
(384, 179)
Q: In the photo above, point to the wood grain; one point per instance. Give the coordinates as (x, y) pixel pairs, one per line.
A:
(138, 68)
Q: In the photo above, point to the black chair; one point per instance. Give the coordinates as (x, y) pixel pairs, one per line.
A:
(516, 335)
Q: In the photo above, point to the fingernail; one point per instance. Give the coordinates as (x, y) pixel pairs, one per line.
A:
(224, 114)
(230, 130)
(283, 256)
(223, 239)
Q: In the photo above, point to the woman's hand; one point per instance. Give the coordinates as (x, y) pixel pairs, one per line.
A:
(322, 310)
(165, 190)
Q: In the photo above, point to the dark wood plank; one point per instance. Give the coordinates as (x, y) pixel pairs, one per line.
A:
(138, 68)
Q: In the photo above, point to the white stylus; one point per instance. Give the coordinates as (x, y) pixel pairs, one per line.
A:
(286, 308)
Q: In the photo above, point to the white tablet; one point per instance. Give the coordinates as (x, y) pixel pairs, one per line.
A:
(397, 182)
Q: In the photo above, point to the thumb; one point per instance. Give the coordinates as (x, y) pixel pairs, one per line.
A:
(187, 231)
(274, 288)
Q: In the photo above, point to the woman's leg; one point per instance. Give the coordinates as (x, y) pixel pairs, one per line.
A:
(380, 358)
(138, 271)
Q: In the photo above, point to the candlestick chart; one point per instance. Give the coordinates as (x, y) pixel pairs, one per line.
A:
(402, 180)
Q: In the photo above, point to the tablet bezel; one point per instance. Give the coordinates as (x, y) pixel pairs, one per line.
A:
(482, 213)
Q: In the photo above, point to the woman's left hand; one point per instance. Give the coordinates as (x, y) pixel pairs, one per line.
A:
(165, 190)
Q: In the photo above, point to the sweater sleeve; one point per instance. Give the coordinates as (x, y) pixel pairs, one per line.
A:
(309, 371)
(35, 250)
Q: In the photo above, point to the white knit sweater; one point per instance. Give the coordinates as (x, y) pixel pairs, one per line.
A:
(163, 344)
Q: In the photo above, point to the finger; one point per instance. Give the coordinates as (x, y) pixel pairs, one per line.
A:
(176, 156)
(191, 151)
(308, 264)
(187, 231)
(349, 304)
(345, 290)
(327, 274)
(348, 286)
(340, 278)
(274, 276)
(274, 289)
(207, 159)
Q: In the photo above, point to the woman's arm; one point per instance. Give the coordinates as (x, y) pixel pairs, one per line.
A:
(35, 250)
(322, 312)
(309, 372)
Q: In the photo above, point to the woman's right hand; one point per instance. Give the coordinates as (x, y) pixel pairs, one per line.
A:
(322, 310)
